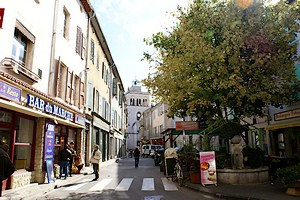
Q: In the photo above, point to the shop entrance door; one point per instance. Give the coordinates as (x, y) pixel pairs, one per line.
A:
(5, 138)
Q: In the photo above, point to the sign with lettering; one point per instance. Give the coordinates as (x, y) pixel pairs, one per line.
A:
(9, 92)
(187, 125)
(208, 169)
(49, 151)
(49, 142)
(1, 16)
(79, 120)
(287, 115)
(40, 104)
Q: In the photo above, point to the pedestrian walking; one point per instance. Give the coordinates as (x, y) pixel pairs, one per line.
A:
(65, 157)
(136, 155)
(95, 160)
(73, 156)
(6, 166)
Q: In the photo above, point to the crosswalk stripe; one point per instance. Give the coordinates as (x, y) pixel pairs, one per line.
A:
(75, 187)
(169, 185)
(79, 185)
(101, 184)
(148, 184)
(124, 184)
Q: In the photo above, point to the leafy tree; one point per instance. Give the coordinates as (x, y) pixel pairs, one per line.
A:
(223, 56)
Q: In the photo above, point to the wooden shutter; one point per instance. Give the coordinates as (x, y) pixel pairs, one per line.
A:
(78, 41)
(69, 86)
(57, 77)
(81, 98)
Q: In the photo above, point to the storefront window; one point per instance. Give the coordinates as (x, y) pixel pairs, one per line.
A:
(23, 143)
(24, 130)
(22, 157)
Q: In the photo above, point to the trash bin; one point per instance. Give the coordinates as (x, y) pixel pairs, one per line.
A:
(170, 161)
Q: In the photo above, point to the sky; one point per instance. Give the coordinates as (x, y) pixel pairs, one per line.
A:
(125, 23)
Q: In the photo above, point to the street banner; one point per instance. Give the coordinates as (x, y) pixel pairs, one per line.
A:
(1, 16)
(49, 152)
(208, 169)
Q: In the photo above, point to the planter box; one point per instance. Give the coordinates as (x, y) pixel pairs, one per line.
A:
(195, 178)
(293, 189)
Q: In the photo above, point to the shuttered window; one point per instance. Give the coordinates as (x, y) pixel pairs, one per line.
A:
(78, 47)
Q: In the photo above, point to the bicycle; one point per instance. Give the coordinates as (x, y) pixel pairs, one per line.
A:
(178, 173)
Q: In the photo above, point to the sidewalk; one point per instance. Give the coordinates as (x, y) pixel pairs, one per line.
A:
(35, 190)
(264, 191)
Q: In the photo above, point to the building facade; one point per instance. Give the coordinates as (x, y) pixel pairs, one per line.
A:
(47, 66)
(137, 102)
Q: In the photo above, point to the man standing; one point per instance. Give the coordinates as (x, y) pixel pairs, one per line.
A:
(73, 155)
(95, 160)
(65, 156)
(6, 166)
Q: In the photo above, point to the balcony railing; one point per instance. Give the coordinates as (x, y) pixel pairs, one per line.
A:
(17, 67)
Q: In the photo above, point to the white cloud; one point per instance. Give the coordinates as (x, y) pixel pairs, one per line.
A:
(125, 23)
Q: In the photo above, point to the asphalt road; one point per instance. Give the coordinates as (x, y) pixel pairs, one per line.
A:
(123, 181)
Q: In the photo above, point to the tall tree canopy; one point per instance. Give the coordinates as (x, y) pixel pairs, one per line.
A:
(224, 55)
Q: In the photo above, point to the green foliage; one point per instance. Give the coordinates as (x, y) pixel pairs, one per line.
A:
(223, 159)
(289, 175)
(220, 56)
(253, 157)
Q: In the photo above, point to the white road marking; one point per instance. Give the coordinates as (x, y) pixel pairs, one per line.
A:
(148, 184)
(124, 184)
(101, 184)
(169, 185)
(75, 187)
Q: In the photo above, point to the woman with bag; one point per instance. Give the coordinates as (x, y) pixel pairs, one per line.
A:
(95, 160)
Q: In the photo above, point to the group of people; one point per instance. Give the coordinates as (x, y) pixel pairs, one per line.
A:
(67, 156)
(6, 166)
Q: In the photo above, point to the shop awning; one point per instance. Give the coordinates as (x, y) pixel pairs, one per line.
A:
(29, 111)
(283, 125)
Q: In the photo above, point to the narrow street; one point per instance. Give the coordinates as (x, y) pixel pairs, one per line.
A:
(122, 181)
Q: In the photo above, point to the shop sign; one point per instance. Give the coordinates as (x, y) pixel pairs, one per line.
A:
(79, 120)
(187, 125)
(1, 16)
(9, 92)
(49, 151)
(40, 104)
(208, 169)
(287, 115)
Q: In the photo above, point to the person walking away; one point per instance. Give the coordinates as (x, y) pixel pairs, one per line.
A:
(6, 166)
(73, 156)
(136, 155)
(65, 156)
(95, 160)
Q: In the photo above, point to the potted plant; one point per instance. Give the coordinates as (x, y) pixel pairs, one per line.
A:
(194, 172)
(290, 176)
(190, 155)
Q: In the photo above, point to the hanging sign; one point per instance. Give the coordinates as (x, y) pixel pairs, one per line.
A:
(208, 170)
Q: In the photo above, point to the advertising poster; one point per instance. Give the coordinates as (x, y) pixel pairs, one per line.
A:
(49, 152)
(208, 168)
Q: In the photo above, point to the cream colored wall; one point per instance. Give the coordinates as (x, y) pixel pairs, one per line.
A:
(38, 19)
(93, 74)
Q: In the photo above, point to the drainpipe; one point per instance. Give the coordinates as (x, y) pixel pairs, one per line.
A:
(51, 88)
(89, 136)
